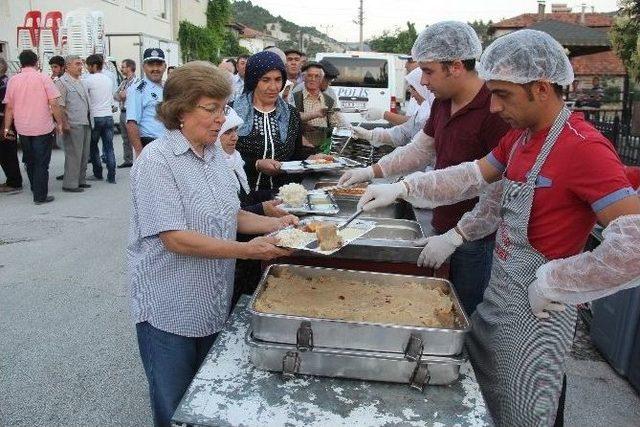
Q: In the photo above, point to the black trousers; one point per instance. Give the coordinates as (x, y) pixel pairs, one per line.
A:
(9, 162)
(36, 155)
(563, 394)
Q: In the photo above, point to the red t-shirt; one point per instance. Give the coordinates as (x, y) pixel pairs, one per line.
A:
(470, 134)
(633, 175)
(581, 176)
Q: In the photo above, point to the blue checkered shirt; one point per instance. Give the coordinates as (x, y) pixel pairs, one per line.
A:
(172, 188)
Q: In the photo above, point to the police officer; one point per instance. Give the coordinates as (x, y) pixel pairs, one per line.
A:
(142, 98)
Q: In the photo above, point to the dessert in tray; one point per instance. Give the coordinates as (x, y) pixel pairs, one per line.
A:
(355, 190)
(297, 200)
(328, 297)
(325, 232)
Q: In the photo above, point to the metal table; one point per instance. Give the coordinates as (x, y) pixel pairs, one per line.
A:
(229, 391)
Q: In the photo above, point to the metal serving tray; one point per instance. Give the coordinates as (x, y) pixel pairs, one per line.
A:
(363, 365)
(392, 240)
(411, 340)
(329, 206)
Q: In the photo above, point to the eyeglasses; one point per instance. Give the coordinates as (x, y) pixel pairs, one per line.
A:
(314, 77)
(216, 111)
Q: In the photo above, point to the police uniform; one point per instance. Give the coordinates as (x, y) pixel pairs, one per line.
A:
(141, 102)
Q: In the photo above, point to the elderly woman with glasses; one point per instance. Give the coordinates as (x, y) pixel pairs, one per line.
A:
(271, 132)
(182, 243)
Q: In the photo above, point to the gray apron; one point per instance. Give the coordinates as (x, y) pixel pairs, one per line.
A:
(519, 359)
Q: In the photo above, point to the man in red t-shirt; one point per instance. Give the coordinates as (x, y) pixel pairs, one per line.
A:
(460, 129)
(555, 177)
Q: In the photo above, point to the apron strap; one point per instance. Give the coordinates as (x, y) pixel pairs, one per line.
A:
(549, 142)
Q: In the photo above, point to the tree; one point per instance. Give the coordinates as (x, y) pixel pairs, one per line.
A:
(212, 41)
(398, 41)
(482, 30)
(625, 36)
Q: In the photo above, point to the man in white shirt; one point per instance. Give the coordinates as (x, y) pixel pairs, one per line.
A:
(100, 89)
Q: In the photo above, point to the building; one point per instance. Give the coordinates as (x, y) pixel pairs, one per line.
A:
(156, 19)
(584, 34)
(253, 40)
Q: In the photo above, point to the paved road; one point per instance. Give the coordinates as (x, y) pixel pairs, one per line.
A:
(68, 353)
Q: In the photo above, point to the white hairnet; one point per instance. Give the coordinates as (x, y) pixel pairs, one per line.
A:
(413, 78)
(447, 41)
(232, 120)
(525, 56)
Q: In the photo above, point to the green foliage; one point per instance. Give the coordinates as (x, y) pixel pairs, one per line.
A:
(625, 36)
(213, 41)
(398, 41)
(482, 29)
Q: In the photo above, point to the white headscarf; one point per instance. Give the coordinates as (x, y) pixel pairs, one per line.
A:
(234, 160)
(413, 78)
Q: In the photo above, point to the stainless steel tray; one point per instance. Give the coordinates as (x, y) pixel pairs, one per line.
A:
(411, 340)
(363, 365)
(329, 208)
(392, 240)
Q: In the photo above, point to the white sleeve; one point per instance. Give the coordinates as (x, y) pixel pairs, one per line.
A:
(444, 186)
(484, 219)
(415, 156)
(611, 267)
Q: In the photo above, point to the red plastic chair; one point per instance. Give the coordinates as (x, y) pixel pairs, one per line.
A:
(53, 20)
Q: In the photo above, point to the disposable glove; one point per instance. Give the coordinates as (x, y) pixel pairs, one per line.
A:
(355, 176)
(439, 248)
(378, 196)
(362, 133)
(375, 114)
(541, 306)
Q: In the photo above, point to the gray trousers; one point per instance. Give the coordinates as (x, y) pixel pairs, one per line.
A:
(127, 150)
(76, 154)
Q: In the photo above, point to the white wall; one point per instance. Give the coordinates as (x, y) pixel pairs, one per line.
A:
(120, 16)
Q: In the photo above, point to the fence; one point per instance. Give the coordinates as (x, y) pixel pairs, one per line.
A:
(618, 131)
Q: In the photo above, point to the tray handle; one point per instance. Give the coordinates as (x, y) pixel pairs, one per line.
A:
(290, 365)
(414, 348)
(304, 337)
(420, 377)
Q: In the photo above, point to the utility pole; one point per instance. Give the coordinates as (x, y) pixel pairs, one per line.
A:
(301, 42)
(361, 23)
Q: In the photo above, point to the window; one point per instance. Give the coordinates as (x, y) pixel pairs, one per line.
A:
(135, 4)
(361, 72)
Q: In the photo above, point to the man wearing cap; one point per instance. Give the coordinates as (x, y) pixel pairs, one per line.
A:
(315, 107)
(411, 106)
(74, 101)
(460, 129)
(142, 124)
(557, 175)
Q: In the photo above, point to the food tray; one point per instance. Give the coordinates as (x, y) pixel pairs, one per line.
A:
(356, 229)
(335, 192)
(301, 166)
(285, 329)
(318, 202)
(364, 365)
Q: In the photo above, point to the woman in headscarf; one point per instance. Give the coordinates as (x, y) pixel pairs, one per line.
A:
(271, 129)
(402, 134)
(227, 140)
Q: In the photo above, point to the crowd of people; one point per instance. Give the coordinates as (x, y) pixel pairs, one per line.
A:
(515, 179)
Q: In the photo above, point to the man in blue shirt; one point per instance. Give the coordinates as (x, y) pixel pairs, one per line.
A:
(142, 98)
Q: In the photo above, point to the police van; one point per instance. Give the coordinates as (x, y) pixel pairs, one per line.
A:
(367, 80)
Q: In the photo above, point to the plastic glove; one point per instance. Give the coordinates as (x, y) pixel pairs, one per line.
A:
(439, 248)
(415, 156)
(362, 133)
(611, 267)
(485, 217)
(375, 114)
(445, 186)
(541, 306)
(378, 196)
(355, 176)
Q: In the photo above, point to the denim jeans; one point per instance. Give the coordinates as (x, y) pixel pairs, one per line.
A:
(470, 272)
(36, 155)
(170, 362)
(103, 128)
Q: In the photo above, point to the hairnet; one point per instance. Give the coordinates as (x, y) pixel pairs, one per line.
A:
(447, 41)
(413, 78)
(525, 56)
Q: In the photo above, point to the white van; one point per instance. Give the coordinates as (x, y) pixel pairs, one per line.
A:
(367, 80)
